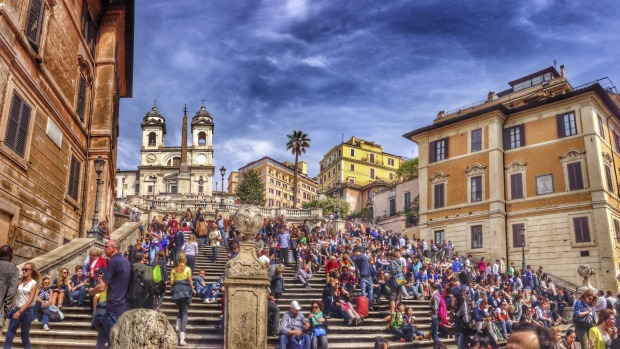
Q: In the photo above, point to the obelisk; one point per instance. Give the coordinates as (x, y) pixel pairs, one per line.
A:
(183, 180)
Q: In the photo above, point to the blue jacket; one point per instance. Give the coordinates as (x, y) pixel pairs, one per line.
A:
(362, 265)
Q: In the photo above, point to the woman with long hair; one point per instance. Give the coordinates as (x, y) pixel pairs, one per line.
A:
(182, 291)
(601, 335)
(22, 313)
(60, 287)
(583, 317)
(191, 250)
(201, 230)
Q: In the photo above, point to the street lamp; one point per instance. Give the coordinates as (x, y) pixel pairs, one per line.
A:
(338, 186)
(94, 231)
(222, 172)
(123, 188)
(522, 233)
(154, 179)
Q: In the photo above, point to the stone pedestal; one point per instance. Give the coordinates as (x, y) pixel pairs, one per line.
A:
(339, 224)
(183, 183)
(246, 281)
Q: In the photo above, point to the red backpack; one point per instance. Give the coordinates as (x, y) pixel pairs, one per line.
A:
(442, 312)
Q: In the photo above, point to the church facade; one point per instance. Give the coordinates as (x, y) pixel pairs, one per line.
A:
(172, 170)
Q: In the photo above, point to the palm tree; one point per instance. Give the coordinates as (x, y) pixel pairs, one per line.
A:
(298, 141)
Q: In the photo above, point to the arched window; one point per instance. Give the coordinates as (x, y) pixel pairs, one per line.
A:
(201, 187)
(202, 138)
(175, 161)
(152, 139)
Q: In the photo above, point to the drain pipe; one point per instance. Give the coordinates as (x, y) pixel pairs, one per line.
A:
(90, 125)
(504, 188)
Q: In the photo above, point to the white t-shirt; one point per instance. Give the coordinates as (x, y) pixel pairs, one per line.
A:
(23, 293)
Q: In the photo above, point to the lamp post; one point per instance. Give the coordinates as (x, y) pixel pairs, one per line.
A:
(522, 233)
(123, 189)
(94, 231)
(337, 211)
(222, 172)
(154, 179)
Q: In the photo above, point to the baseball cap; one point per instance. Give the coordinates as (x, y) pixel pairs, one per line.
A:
(295, 304)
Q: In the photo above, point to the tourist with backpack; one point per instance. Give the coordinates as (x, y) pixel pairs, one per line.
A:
(182, 291)
(160, 278)
(140, 292)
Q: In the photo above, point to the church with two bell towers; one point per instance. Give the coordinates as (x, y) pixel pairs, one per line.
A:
(172, 170)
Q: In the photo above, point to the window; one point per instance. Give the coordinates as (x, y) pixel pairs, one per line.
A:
(278, 193)
(137, 188)
(34, 23)
(610, 183)
(438, 196)
(567, 125)
(601, 126)
(176, 161)
(516, 186)
(270, 202)
(390, 162)
(582, 229)
(352, 180)
(407, 200)
(514, 137)
(617, 141)
(278, 204)
(270, 190)
(202, 138)
(271, 180)
(372, 173)
(476, 140)
(74, 178)
(17, 128)
(352, 152)
(392, 207)
(438, 150)
(476, 236)
(617, 230)
(149, 189)
(372, 158)
(152, 139)
(201, 188)
(575, 176)
(391, 176)
(439, 236)
(352, 167)
(81, 102)
(88, 27)
(476, 189)
(285, 186)
(278, 183)
(338, 166)
(516, 235)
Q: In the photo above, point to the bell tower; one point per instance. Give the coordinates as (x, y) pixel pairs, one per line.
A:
(153, 129)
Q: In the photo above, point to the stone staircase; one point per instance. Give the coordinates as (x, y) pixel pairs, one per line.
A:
(75, 332)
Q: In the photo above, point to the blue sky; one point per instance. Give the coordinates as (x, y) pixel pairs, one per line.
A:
(369, 69)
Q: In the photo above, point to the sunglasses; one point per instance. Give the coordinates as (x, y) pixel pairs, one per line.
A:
(315, 307)
(26, 269)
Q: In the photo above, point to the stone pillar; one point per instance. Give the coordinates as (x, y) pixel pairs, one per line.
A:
(339, 224)
(246, 281)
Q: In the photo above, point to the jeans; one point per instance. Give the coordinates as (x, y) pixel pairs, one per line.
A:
(284, 255)
(224, 237)
(24, 320)
(214, 252)
(152, 253)
(202, 241)
(191, 261)
(404, 332)
(319, 342)
(285, 339)
(38, 311)
(183, 307)
(417, 289)
(435, 330)
(505, 326)
(366, 285)
(79, 294)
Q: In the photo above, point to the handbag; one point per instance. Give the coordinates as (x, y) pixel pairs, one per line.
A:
(399, 279)
(584, 321)
(319, 331)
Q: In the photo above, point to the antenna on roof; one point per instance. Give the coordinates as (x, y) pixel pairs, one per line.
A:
(155, 103)
(342, 138)
(203, 102)
(555, 63)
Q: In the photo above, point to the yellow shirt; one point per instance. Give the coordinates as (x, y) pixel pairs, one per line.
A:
(175, 276)
(597, 337)
(101, 297)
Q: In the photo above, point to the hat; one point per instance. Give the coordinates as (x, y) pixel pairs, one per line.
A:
(295, 305)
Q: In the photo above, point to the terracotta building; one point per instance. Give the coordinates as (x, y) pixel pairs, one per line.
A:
(535, 166)
(64, 67)
(278, 179)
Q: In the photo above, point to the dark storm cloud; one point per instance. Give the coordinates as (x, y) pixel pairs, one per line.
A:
(370, 69)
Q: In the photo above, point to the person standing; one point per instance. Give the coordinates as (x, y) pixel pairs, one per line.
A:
(182, 290)
(363, 267)
(222, 226)
(9, 282)
(22, 313)
(284, 240)
(435, 305)
(191, 251)
(115, 282)
(214, 241)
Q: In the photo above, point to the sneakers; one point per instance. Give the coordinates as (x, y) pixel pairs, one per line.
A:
(213, 300)
(46, 328)
(207, 300)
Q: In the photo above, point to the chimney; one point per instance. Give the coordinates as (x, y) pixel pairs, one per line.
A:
(491, 96)
(562, 71)
(441, 114)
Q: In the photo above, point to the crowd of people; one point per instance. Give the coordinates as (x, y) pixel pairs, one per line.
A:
(471, 300)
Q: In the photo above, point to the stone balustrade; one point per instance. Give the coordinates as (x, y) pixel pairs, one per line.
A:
(72, 254)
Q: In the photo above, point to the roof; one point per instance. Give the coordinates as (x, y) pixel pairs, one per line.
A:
(596, 88)
(533, 75)
(277, 163)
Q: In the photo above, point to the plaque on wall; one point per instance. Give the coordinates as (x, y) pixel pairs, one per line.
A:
(544, 184)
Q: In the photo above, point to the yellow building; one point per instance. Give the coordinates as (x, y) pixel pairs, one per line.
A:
(233, 182)
(360, 167)
(278, 179)
(65, 65)
(533, 170)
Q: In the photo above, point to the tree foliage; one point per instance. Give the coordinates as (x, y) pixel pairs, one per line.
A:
(329, 206)
(251, 189)
(297, 143)
(408, 169)
(413, 212)
(365, 213)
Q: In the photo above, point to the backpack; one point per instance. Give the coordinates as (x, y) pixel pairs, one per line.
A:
(442, 312)
(157, 277)
(140, 292)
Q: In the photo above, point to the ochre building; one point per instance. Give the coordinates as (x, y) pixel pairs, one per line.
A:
(355, 169)
(533, 170)
(64, 66)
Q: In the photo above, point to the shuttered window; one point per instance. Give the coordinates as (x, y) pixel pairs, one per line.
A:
(610, 183)
(74, 178)
(617, 230)
(516, 235)
(81, 102)
(617, 141)
(567, 124)
(476, 189)
(575, 177)
(17, 128)
(516, 186)
(582, 229)
(476, 140)
(34, 23)
(438, 196)
(514, 137)
(438, 150)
